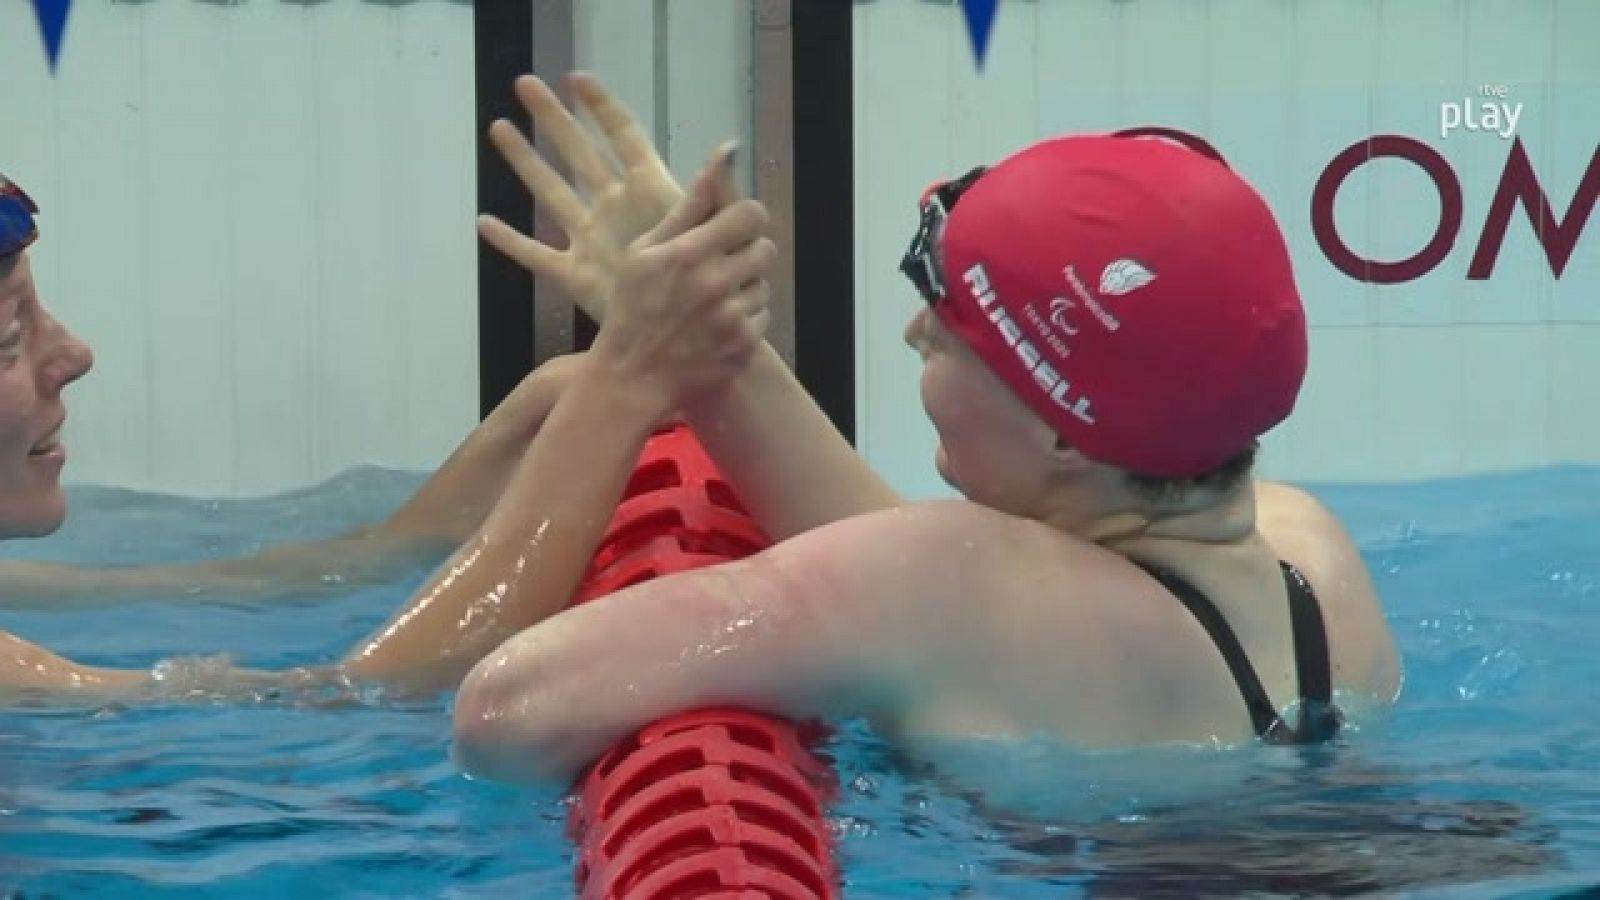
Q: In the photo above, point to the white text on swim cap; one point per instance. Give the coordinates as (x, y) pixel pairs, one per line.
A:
(1101, 314)
(1043, 373)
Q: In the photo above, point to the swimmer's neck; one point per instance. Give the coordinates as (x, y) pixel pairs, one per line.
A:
(1118, 523)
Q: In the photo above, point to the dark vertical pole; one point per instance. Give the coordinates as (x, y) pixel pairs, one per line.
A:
(503, 39)
(824, 202)
(558, 325)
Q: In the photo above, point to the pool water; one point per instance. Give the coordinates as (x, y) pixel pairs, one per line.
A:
(1485, 784)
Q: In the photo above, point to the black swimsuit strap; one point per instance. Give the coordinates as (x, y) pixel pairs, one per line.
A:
(1263, 716)
(1319, 720)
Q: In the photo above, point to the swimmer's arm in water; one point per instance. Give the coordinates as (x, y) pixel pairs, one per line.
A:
(531, 552)
(841, 621)
(791, 467)
(522, 566)
(528, 556)
(445, 511)
(33, 677)
(688, 309)
(29, 672)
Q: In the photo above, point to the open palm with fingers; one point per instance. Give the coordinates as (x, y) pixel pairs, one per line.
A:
(615, 198)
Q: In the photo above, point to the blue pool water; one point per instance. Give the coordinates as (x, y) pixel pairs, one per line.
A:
(1486, 784)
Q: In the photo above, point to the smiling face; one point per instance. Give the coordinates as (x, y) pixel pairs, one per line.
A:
(38, 358)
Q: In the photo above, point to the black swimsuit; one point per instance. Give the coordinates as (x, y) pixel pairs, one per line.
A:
(1318, 718)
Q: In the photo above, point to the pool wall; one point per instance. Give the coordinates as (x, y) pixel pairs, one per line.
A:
(1459, 367)
(260, 214)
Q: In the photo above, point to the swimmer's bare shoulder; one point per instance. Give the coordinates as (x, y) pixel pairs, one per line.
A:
(990, 617)
(934, 619)
(967, 613)
(1306, 533)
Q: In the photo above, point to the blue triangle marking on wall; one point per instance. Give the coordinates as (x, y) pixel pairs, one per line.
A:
(52, 25)
(980, 23)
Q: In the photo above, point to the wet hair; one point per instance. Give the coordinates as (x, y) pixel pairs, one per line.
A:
(1178, 495)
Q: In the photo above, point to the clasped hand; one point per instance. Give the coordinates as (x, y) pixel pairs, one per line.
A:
(678, 281)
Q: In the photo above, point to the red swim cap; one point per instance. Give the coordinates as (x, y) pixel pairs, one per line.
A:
(1134, 293)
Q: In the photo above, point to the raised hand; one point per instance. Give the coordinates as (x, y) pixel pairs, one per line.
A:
(614, 202)
(690, 303)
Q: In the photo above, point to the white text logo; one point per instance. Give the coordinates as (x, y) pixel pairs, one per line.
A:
(1494, 113)
(1100, 312)
(1044, 375)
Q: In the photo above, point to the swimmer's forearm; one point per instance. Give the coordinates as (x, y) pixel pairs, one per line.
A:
(30, 674)
(28, 584)
(287, 570)
(528, 558)
(455, 500)
(33, 677)
(789, 464)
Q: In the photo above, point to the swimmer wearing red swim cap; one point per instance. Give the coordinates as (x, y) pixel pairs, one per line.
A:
(1111, 324)
(1136, 295)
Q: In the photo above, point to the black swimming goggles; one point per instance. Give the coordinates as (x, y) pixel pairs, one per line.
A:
(923, 262)
(17, 210)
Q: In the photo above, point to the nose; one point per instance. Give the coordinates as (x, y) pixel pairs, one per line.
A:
(67, 357)
(915, 329)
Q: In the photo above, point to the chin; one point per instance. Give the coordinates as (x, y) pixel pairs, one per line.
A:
(941, 464)
(42, 520)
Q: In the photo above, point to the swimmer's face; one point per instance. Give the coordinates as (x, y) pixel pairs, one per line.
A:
(38, 357)
(992, 448)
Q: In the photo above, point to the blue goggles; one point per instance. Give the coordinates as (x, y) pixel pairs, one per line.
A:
(17, 228)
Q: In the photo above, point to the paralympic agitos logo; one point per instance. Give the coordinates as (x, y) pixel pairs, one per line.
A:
(1518, 186)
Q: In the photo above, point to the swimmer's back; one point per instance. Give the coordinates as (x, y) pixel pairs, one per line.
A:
(1035, 632)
